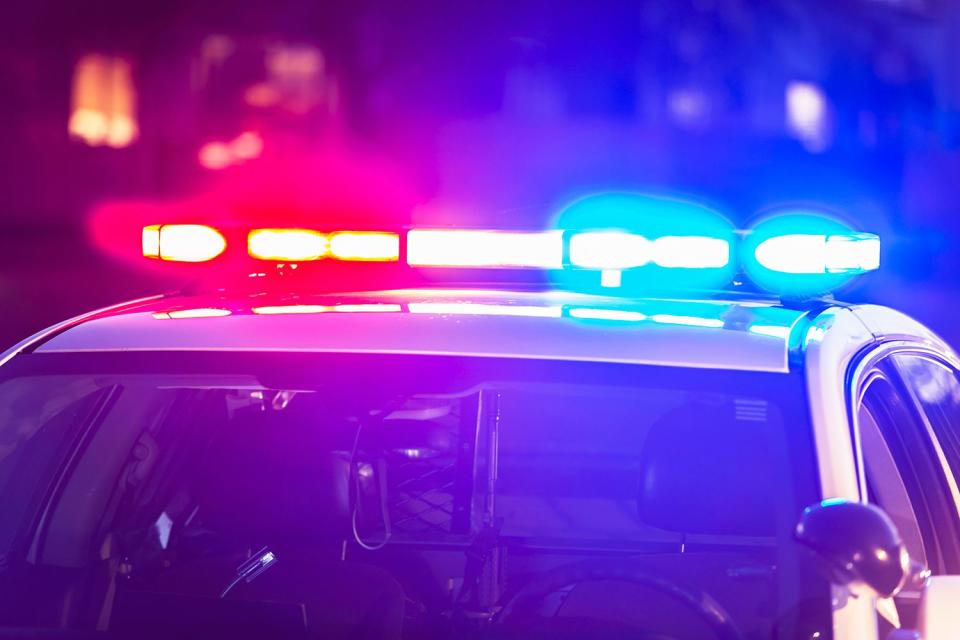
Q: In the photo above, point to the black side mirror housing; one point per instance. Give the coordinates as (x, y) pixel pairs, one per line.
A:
(859, 546)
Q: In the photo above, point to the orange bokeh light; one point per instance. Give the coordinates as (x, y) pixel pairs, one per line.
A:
(103, 110)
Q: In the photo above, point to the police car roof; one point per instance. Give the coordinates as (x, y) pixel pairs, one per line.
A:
(718, 334)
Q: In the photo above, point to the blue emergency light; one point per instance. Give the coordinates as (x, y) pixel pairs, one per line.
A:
(799, 253)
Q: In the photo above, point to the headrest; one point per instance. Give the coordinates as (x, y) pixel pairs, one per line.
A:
(706, 470)
(276, 480)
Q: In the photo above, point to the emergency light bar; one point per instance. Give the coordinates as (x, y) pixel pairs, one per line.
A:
(304, 245)
(793, 254)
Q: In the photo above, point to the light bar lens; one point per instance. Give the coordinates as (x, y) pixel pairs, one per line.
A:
(290, 245)
(820, 254)
(182, 242)
(806, 254)
(150, 240)
(617, 250)
(365, 246)
(493, 249)
(609, 250)
(691, 252)
(857, 253)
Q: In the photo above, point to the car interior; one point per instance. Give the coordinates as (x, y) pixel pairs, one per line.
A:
(501, 511)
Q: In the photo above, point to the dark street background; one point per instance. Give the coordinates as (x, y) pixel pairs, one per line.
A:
(114, 113)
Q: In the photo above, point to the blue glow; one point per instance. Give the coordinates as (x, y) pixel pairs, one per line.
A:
(609, 250)
(807, 114)
(806, 254)
(691, 252)
(818, 253)
(642, 244)
(611, 278)
(618, 250)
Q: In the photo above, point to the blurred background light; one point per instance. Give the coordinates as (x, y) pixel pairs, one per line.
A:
(221, 155)
(247, 146)
(438, 115)
(215, 156)
(807, 114)
(103, 103)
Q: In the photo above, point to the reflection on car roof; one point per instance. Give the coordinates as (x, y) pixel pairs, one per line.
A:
(731, 334)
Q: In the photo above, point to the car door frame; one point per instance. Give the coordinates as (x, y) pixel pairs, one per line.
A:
(835, 349)
(876, 362)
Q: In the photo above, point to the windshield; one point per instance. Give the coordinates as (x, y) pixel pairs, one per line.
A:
(402, 497)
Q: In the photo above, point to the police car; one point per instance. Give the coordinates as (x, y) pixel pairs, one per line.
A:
(603, 431)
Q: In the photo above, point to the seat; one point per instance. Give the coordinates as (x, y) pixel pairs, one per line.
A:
(707, 471)
(710, 472)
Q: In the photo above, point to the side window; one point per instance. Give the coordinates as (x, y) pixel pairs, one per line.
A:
(936, 389)
(887, 486)
(39, 417)
(915, 490)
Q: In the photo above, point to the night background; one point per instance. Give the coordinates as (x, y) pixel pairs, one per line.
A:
(115, 114)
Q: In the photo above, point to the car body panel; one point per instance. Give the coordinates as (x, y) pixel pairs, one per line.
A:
(888, 324)
(40, 336)
(740, 335)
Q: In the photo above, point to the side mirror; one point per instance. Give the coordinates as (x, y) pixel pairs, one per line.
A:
(859, 546)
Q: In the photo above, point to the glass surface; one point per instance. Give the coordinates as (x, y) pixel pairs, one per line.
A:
(372, 496)
(937, 390)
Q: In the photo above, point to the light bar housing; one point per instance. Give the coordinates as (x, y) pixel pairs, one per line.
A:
(787, 254)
